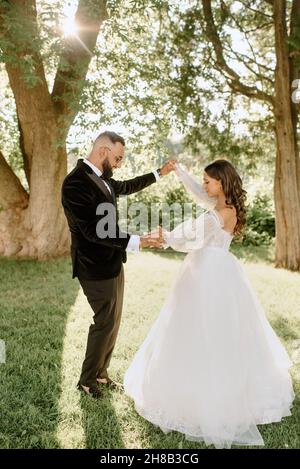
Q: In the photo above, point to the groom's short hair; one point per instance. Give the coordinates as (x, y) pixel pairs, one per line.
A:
(111, 136)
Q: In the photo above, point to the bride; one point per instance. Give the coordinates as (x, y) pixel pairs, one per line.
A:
(211, 366)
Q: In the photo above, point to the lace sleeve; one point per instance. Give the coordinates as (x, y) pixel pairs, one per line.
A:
(195, 188)
(193, 233)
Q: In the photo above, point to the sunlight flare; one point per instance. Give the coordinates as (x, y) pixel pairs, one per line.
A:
(69, 26)
(70, 29)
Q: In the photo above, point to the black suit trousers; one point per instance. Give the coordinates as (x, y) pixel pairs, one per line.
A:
(106, 300)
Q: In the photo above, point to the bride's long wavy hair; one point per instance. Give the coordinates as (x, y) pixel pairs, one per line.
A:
(222, 170)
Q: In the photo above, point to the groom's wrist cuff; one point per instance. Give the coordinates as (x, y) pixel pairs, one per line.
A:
(156, 174)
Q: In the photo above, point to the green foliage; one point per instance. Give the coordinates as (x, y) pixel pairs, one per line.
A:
(9, 132)
(159, 64)
(153, 72)
(260, 227)
(169, 204)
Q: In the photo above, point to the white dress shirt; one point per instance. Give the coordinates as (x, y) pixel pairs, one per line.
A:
(134, 240)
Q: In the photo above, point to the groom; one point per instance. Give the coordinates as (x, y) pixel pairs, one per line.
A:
(88, 194)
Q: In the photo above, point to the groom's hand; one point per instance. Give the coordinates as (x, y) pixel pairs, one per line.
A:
(168, 167)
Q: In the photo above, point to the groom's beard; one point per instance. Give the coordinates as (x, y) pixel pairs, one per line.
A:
(107, 169)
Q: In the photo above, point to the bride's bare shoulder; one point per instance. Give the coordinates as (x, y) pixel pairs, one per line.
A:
(227, 211)
(229, 217)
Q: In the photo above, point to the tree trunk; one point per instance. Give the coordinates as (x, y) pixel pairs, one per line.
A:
(33, 225)
(287, 207)
(287, 184)
(36, 226)
(13, 202)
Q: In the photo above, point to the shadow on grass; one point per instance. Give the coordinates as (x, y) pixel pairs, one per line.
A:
(100, 423)
(35, 299)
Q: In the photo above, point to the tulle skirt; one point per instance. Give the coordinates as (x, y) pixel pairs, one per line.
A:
(211, 366)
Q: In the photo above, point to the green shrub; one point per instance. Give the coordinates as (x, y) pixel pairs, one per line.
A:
(260, 226)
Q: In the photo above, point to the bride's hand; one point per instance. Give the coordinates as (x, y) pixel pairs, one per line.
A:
(158, 233)
(168, 167)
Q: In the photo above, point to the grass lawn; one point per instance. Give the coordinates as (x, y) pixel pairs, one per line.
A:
(44, 318)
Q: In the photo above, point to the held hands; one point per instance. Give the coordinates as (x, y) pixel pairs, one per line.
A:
(168, 167)
(154, 239)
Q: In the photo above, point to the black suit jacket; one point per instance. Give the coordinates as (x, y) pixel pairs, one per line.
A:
(95, 258)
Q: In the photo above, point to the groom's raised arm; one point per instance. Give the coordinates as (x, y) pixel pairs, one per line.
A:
(140, 182)
(133, 185)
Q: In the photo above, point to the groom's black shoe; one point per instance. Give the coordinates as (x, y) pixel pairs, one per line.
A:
(93, 391)
(110, 384)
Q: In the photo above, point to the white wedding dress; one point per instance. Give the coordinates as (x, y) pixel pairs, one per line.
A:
(211, 366)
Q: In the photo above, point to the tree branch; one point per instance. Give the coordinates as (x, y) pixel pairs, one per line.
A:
(12, 193)
(21, 49)
(267, 24)
(244, 59)
(233, 79)
(259, 12)
(76, 57)
(253, 60)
